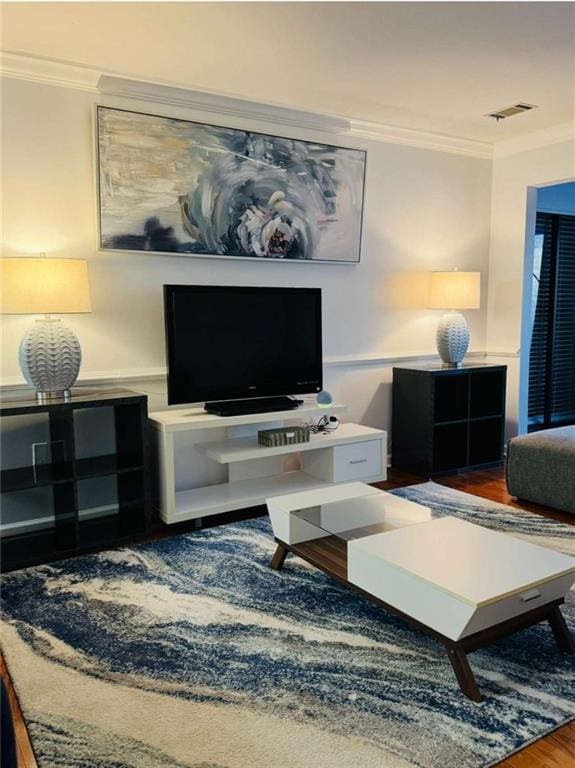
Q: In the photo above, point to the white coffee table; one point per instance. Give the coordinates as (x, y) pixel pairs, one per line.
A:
(461, 583)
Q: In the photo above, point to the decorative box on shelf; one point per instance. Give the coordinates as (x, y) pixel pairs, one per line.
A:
(270, 438)
(74, 474)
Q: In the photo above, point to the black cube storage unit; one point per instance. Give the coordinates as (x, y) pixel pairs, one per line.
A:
(73, 475)
(448, 419)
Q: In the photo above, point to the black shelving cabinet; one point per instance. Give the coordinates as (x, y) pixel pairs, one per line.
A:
(73, 475)
(448, 419)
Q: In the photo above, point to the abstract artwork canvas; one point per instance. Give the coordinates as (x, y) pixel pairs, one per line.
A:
(170, 185)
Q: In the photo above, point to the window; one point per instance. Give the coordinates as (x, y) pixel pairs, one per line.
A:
(552, 353)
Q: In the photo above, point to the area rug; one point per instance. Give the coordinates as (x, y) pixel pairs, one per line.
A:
(191, 651)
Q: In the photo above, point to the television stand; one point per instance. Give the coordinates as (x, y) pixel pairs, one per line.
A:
(254, 405)
(206, 464)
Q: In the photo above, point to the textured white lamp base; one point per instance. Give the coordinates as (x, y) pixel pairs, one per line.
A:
(50, 358)
(452, 339)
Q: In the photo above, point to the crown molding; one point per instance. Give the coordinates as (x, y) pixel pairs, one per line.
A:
(49, 71)
(95, 80)
(414, 137)
(230, 105)
(80, 77)
(557, 134)
(221, 104)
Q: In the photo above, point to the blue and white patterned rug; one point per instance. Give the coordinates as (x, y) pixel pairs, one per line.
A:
(191, 651)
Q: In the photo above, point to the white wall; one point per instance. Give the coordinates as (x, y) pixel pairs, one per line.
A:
(424, 210)
(515, 177)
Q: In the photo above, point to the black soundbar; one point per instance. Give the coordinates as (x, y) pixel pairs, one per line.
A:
(255, 405)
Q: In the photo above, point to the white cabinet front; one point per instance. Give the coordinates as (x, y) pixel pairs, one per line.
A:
(352, 462)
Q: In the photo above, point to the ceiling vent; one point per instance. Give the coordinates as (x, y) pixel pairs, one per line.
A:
(514, 109)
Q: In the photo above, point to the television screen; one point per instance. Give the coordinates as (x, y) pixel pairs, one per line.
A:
(226, 343)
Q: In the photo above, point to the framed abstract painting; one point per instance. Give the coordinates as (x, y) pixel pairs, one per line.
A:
(174, 186)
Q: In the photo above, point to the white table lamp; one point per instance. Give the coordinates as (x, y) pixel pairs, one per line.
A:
(453, 290)
(50, 353)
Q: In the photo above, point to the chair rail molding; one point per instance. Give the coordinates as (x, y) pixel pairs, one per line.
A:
(67, 74)
(513, 353)
(132, 376)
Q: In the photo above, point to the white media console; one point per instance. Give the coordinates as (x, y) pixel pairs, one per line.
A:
(208, 464)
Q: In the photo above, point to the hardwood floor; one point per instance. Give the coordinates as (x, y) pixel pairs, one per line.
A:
(24, 753)
(556, 750)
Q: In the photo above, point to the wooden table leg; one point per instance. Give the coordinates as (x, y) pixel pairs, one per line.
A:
(279, 557)
(561, 631)
(463, 673)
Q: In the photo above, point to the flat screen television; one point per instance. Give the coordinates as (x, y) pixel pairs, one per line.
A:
(232, 343)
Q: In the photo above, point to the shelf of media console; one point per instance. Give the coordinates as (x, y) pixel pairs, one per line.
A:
(184, 419)
(228, 497)
(327, 455)
(247, 448)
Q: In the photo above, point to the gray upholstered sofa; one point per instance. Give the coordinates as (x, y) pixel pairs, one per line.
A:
(541, 468)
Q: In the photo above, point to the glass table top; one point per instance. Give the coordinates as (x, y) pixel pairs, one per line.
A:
(357, 518)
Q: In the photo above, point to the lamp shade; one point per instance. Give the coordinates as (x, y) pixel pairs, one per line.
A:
(44, 286)
(454, 290)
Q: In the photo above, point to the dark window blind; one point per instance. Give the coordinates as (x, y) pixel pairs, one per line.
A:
(539, 337)
(552, 353)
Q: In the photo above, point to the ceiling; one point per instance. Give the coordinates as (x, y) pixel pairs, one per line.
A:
(431, 66)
